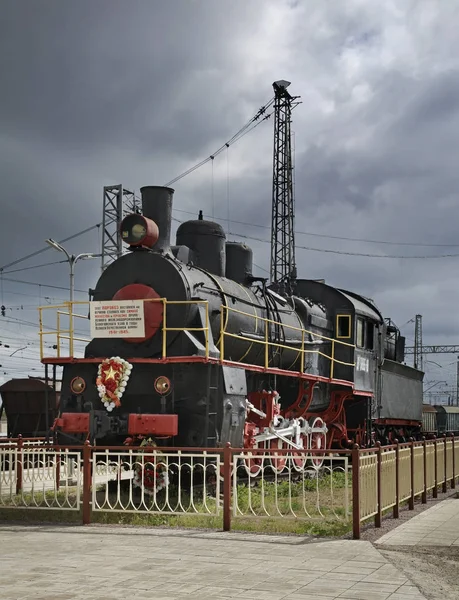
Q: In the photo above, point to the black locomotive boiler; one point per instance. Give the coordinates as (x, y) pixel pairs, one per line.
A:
(223, 357)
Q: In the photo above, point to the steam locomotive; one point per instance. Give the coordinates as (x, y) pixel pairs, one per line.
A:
(225, 357)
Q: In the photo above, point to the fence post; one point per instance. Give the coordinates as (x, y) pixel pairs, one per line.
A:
(356, 492)
(378, 515)
(57, 454)
(19, 464)
(445, 463)
(227, 460)
(396, 508)
(424, 493)
(435, 490)
(453, 480)
(411, 500)
(87, 483)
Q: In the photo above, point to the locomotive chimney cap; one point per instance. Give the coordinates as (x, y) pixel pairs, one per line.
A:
(157, 187)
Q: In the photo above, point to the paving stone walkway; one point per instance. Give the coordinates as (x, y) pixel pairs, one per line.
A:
(108, 563)
(437, 526)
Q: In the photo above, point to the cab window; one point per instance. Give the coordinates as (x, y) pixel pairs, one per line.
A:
(343, 326)
(360, 333)
(370, 335)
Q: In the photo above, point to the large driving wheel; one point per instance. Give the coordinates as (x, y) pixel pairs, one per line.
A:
(318, 442)
(254, 462)
(299, 459)
(278, 461)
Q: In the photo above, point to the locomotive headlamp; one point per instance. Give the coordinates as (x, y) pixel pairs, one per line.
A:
(137, 230)
(78, 385)
(162, 385)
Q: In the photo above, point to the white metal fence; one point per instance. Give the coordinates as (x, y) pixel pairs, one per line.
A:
(37, 477)
(173, 482)
(155, 481)
(283, 486)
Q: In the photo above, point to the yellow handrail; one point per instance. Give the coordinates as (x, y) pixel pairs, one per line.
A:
(300, 351)
(323, 337)
(68, 310)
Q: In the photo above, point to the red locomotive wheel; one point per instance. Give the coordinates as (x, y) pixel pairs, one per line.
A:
(254, 462)
(153, 311)
(299, 459)
(318, 442)
(278, 461)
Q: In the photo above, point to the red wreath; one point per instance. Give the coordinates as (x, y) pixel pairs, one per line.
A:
(112, 376)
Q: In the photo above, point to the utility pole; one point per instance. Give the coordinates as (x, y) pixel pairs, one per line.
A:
(283, 266)
(418, 358)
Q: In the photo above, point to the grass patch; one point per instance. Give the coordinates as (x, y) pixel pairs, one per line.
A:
(323, 498)
(257, 525)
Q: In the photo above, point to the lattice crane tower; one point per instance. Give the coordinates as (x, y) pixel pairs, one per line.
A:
(118, 202)
(283, 266)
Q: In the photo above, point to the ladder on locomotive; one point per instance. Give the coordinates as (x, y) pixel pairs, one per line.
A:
(213, 375)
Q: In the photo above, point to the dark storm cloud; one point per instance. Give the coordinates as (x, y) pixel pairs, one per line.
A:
(437, 103)
(87, 75)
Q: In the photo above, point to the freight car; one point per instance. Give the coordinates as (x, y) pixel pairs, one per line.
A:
(429, 420)
(222, 356)
(440, 420)
(30, 405)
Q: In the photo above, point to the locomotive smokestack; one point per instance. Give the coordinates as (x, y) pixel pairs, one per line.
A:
(157, 205)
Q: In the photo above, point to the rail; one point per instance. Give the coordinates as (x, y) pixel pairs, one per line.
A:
(65, 337)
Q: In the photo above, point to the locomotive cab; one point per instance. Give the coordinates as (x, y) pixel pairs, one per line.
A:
(367, 324)
(356, 325)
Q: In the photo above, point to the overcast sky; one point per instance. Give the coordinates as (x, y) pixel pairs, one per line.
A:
(100, 92)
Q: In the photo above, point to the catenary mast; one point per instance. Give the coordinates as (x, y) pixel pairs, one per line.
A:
(283, 266)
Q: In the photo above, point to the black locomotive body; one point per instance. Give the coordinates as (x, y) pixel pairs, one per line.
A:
(225, 358)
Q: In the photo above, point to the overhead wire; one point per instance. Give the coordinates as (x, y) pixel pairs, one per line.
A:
(45, 248)
(249, 126)
(55, 287)
(55, 262)
(346, 253)
(333, 237)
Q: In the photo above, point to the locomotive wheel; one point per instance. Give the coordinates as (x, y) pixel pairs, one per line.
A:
(318, 442)
(298, 459)
(278, 461)
(254, 462)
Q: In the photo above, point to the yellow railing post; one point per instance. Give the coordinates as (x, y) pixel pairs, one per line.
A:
(332, 366)
(164, 350)
(302, 352)
(222, 334)
(266, 344)
(206, 307)
(58, 334)
(70, 305)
